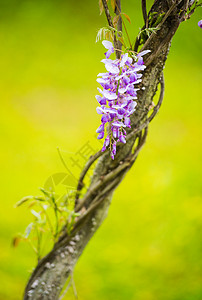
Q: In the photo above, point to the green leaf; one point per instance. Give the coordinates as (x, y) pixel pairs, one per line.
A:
(115, 20)
(28, 230)
(127, 17)
(101, 6)
(113, 4)
(23, 200)
(36, 214)
(46, 193)
(16, 240)
(121, 40)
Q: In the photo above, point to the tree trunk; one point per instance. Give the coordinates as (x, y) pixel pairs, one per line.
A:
(51, 273)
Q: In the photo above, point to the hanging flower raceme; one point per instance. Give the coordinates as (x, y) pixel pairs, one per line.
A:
(118, 96)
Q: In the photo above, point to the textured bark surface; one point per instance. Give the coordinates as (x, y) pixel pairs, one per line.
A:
(51, 273)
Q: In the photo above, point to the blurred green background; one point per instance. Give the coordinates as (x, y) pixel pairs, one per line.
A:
(150, 246)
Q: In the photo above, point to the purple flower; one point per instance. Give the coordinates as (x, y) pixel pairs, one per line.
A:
(122, 139)
(108, 45)
(200, 24)
(118, 100)
(104, 119)
(100, 128)
(101, 100)
(127, 122)
(101, 135)
(115, 132)
(114, 148)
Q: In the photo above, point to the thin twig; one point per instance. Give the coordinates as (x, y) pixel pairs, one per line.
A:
(109, 19)
(144, 12)
(89, 163)
(48, 220)
(119, 25)
(191, 11)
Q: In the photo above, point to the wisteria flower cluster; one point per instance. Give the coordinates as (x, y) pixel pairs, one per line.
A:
(119, 96)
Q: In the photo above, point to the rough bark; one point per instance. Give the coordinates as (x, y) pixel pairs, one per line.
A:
(51, 273)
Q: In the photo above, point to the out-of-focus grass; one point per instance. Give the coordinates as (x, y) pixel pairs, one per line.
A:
(150, 246)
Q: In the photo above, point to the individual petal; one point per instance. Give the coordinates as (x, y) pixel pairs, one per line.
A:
(112, 155)
(124, 58)
(110, 110)
(137, 68)
(107, 44)
(109, 95)
(114, 148)
(107, 141)
(127, 122)
(109, 52)
(122, 90)
(131, 106)
(133, 77)
(112, 116)
(140, 61)
(103, 101)
(115, 132)
(108, 86)
(119, 76)
(107, 61)
(118, 124)
(117, 106)
(121, 111)
(100, 129)
(143, 53)
(137, 81)
(131, 91)
(100, 136)
(122, 139)
(112, 68)
(200, 23)
(99, 110)
(129, 60)
(102, 80)
(126, 80)
(139, 75)
(98, 98)
(99, 90)
(104, 119)
(128, 98)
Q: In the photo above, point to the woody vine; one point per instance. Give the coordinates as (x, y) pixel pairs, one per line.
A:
(126, 108)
